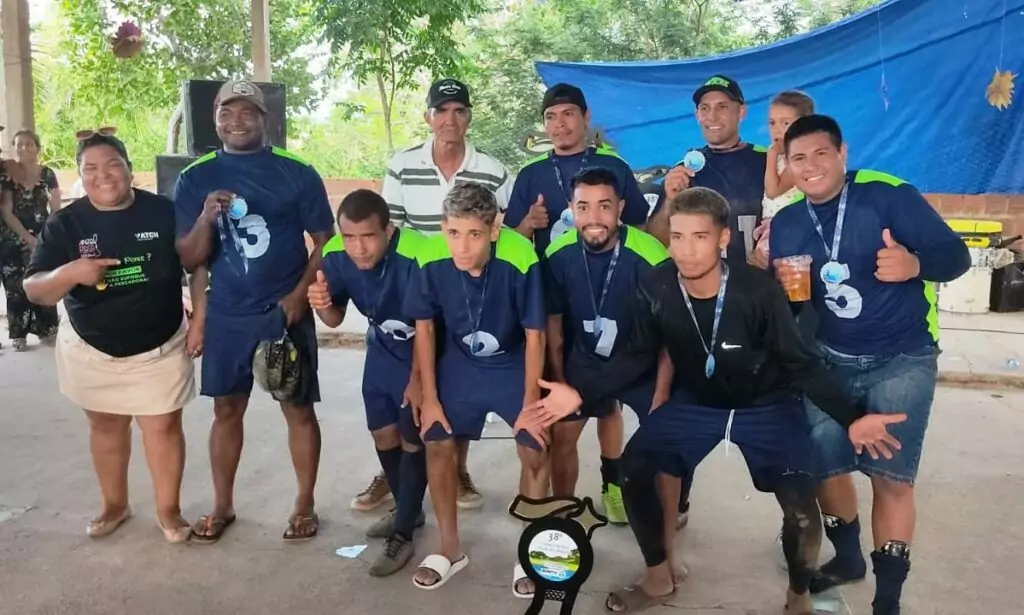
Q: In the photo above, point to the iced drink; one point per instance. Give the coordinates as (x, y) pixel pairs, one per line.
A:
(795, 274)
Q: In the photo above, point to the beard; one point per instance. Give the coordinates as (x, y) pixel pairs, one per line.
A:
(595, 244)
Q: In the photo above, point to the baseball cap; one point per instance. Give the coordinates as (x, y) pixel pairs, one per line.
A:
(241, 89)
(719, 83)
(447, 90)
(564, 94)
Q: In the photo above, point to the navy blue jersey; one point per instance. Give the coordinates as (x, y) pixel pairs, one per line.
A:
(574, 296)
(377, 293)
(738, 175)
(539, 177)
(506, 299)
(285, 198)
(862, 315)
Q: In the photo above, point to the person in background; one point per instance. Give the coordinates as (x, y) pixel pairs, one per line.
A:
(873, 242)
(733, 168)
(24, 206)
(543, 188)
(591, 274)
(244, 212)
(415, 185)
(779, 187)
(110, 257)
(371, 264)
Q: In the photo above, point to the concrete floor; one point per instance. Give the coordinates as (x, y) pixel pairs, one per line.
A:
(971, 493)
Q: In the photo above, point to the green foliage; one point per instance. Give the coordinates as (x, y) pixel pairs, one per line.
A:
(392, 42)
(81, 84)
(507, 90)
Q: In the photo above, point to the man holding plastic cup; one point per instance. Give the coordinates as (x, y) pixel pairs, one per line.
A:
(872, 240)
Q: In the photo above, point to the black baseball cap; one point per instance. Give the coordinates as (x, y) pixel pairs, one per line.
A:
(719, 83)
(447, 90)
(564, 94)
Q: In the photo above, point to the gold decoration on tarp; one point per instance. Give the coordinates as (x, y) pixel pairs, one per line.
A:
(1000, 91)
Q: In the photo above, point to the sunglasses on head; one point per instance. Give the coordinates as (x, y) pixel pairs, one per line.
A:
(106, 131)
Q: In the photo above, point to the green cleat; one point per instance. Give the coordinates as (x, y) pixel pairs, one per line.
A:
(613, 507)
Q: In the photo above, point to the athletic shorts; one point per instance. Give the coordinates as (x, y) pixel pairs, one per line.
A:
(229, 344)
(385, 378)
(773, 439)
(893, 384)
(469, 391)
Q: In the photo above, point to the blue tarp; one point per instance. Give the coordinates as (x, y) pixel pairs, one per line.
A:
(931, 124)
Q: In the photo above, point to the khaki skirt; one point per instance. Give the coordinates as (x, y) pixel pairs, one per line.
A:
(155, 382)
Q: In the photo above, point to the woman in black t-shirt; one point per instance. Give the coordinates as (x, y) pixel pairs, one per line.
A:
(110, 257)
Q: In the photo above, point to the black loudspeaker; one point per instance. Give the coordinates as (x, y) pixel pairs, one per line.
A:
(200, 130)
(168, 168)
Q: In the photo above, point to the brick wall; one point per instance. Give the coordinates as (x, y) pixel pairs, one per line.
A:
(1007, 209)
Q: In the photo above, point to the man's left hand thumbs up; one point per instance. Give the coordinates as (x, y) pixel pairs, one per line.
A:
(895, 263)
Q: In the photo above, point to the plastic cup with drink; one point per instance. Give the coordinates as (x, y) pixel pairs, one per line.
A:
(794, 272)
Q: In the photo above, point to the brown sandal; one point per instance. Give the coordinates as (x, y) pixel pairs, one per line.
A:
(308, 521)
(207, 523)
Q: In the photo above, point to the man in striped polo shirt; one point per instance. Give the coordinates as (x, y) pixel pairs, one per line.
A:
(415, 184)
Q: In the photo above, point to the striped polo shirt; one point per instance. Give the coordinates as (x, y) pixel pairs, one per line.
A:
(415, 188)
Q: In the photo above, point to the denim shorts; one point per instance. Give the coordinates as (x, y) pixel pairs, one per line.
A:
(893, 384)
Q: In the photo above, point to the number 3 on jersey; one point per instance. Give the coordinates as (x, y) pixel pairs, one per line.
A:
(254, 234)
(609, 330)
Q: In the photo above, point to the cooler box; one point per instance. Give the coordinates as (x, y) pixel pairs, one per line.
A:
(978, 233)
(971, 292)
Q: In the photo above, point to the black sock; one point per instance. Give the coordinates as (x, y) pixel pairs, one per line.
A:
(891, 566)
(414, 486)
(391, 462)
(610, 473)
(848, 564)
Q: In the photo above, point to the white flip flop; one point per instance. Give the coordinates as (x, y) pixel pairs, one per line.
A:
(518, 574)
(443, 567)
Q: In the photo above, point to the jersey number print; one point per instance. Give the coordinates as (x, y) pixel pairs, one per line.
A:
(256, 236)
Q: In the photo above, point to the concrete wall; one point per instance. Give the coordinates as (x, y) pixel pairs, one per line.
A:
(1007, 209)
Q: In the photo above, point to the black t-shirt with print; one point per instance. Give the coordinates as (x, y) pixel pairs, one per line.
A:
(138, 306)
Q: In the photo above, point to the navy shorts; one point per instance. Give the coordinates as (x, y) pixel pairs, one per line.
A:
(385, 378)
(900, 383)
(229, 344)
(774, 439)
(469, 391)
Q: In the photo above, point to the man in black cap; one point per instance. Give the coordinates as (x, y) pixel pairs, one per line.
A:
(732, 167)
(543, 188)
(415, 185)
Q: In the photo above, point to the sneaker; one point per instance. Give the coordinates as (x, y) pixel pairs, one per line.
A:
(613, 507)
(373, 496)
(396, 554)
(385, 526)
(19, 344)
(469, 497)
(50, 339)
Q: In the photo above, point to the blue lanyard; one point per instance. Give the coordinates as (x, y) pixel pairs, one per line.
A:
(599, 304)
(709, 365)
(475, 322)
(558, 173)
(833, 254)
(372, 315)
